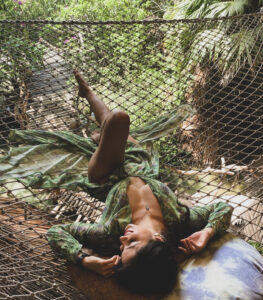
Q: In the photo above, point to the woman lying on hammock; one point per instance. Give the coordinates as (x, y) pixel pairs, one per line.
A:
(143, 226)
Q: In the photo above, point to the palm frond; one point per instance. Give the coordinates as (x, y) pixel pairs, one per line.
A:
(228, 53)
(219, 9)
(216, 8)
(208, 46)
(193, 8)
(246, 49)
(227, 8)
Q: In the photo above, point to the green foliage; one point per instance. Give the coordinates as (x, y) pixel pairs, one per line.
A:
(227, 47)
(102, 10)
(23, 50)
(105, 10)
(257, 245)
(228, 8)
(123, 63)
(212, 8)
(20, 51)
(227, 51)
(30, 9)
(128, 66)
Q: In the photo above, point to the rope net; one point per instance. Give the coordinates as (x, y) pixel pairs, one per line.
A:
(146, 68)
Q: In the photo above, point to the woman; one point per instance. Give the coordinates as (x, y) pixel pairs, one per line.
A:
(143, 221)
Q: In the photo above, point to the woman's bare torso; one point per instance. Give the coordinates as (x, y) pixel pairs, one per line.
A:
(142, 200)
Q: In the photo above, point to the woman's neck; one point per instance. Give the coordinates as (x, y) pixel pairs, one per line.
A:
(151, 223)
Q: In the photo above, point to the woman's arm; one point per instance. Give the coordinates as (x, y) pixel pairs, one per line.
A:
(67, 240)
(216, 216)
(205, 222)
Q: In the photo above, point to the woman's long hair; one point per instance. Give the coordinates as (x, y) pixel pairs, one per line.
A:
(153, 271)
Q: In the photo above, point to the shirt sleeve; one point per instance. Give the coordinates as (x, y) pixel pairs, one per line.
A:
(67, 240)
(216, 216)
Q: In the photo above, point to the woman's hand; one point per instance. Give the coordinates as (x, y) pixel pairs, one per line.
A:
(197, 241)
(102, 266)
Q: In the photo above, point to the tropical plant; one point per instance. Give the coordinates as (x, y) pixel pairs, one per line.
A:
(223, 54)
(231, 43)
(101, 10)
(124, 54)
(212, 8)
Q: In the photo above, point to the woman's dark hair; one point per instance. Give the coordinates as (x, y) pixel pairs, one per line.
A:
(152, 271)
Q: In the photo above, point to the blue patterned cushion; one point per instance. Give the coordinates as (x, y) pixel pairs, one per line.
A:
(228, 269)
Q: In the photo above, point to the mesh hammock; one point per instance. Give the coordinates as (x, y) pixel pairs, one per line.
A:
(146, 68)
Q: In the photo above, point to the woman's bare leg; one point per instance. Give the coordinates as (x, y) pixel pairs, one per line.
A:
(114, 134)
(111, 149)
(97, 106)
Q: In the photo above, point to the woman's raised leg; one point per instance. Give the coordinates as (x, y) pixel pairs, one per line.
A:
(97, 106)
(115, 130)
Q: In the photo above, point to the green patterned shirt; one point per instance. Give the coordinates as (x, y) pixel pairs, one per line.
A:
(67, 240)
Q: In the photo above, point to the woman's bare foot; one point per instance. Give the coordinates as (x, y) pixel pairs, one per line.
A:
(83, 86)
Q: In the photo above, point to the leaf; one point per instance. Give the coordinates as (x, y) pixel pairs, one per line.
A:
(228, 52)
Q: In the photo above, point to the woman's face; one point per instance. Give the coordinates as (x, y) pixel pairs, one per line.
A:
(134, 238)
